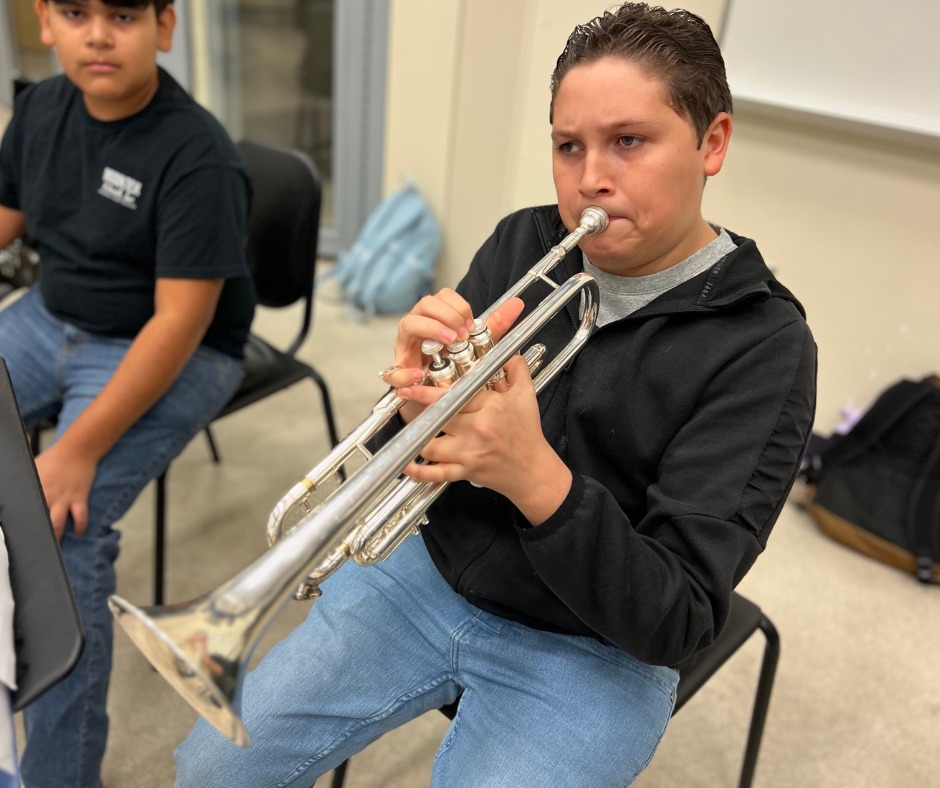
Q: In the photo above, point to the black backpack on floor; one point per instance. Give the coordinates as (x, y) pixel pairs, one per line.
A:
(877, 488)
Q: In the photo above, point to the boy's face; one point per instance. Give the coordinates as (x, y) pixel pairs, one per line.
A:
(108, 52)
(618, 144)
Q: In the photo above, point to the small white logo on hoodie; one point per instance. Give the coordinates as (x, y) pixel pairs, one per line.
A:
(121, 188)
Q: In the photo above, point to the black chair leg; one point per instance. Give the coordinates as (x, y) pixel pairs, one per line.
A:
(159, 546)
(210, 439)
(761, 702)
(339, 775)
(327, 407)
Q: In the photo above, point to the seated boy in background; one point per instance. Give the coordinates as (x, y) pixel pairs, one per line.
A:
(609, 518)
(132, 337)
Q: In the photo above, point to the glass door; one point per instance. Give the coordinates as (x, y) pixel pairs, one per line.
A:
(308, 74)
(277, 63)
(22, 54)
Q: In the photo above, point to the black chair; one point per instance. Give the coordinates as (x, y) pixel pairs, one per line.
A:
(283, 228)
(745, 618)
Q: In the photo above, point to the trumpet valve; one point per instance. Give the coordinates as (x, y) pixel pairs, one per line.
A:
(480, 338)
(433, 349)
(462, 355)
(441, 370)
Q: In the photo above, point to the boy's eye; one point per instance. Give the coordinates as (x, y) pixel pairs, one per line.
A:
(124, 16)
(629, 141)
(568, 147)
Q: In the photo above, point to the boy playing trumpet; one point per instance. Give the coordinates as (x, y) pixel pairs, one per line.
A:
(608, 519)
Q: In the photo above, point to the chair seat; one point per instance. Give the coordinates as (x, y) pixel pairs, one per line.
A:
(267, 371)
(743, 620)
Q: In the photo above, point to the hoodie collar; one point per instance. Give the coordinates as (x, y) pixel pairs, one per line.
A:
(737, 277)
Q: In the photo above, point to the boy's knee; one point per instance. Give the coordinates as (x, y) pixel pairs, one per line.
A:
(200, 759)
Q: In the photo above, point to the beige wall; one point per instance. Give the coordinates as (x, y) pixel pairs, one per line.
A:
(25, 25)
(850, 224)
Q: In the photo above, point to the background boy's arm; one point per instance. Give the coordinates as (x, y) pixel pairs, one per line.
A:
(183, 311)
(12, 226)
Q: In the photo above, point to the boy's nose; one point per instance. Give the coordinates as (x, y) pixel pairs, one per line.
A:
(595, 175)
(98, 32)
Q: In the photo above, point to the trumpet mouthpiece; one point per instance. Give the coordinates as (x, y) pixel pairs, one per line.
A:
(594, 220)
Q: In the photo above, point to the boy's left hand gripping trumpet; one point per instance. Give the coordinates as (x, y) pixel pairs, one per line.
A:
(203, 647)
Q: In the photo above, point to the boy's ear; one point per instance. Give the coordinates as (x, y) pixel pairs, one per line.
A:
(715, 143)
(166, 24)
(45, 33)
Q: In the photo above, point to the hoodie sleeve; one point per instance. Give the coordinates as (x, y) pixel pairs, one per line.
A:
(660, 586)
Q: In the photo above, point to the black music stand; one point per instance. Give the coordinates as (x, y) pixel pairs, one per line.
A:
(47, 629)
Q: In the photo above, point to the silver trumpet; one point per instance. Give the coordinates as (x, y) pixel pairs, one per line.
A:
(351, 505)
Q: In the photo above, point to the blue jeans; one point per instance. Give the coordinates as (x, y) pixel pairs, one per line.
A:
(387, 643)
(57, 370)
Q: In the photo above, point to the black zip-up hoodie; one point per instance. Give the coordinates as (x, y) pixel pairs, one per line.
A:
(683, 425)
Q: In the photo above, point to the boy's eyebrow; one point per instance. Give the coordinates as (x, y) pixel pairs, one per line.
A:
(129, 5)
(617, 125)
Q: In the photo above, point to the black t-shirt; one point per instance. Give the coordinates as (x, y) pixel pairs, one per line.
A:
(113, 206)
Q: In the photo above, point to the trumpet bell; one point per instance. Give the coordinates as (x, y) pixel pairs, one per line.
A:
(197, 653)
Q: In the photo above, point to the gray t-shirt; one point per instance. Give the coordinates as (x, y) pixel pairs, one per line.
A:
(623, 295)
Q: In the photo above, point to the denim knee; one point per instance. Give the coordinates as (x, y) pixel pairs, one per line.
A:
(199, 758)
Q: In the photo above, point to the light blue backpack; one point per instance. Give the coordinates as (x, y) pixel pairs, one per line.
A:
(391, 264)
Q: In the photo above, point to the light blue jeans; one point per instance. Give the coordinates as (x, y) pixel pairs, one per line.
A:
(387, 643)
(56, 371)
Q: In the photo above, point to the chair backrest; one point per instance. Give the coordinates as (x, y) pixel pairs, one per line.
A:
(284, 223)
(47, 629)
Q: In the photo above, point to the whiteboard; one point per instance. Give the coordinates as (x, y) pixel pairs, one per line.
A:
(862, 65)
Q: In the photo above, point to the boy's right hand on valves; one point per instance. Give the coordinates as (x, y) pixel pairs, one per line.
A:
(444, 317)
(496, 440)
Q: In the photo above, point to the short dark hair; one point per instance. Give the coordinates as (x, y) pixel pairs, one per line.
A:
(159, 5)
(675, 47)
